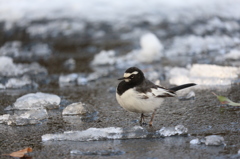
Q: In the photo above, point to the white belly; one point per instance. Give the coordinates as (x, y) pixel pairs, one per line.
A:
(133, 102)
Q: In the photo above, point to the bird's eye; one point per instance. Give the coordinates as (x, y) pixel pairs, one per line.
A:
(131, 76)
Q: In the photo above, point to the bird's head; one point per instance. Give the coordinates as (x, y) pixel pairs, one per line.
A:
(133, 75)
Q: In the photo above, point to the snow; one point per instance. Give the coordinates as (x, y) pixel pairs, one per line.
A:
(37, 100)
(75, 109)
(204, 75)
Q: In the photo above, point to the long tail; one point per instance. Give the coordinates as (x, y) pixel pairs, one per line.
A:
(182, 86)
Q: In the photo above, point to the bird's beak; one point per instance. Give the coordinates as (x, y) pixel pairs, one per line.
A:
(123, 78)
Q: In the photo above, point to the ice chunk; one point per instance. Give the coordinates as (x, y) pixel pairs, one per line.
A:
(40, 49)
(192, 44)
(70, 64)
(98, 152)
(151, 48)
(104, 58)
(4, 118)
(171, 131)
(68, 79)
(190, 96)
(8, 68)
(232, 55)
(11, 49)
(195, 141)
(239, 151)
(214, 140)
(75, 109)
(20, 82)
(98, 134)
(205, 75)
(37, 100)
(28, 117)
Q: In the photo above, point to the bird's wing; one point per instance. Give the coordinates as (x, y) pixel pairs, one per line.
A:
(162, 92)
(148, 89)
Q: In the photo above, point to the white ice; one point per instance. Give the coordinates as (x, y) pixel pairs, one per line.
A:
(37, 100)
(112, 133)
(104, 58)
(192, 44)
(232, 55)
(14, 49)
(68, 79)
(20, 82)
(24, 117)
(214, 140)
(8, 68)
(13, 11)
(211, 140)
(204, 75)
(195, 141)
(151, 48)
(171, 131)
(87, 135)
(75, 109)
(92, 134)
(70, 64)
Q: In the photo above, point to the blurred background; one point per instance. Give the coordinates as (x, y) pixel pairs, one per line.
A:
(77, 49)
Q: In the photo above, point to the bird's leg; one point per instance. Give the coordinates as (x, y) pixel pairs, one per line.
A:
(151, 121)
(142, 121)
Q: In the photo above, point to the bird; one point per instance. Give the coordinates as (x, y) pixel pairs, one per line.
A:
(135, 93)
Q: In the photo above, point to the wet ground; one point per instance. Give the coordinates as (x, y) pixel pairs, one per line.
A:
(202, 116)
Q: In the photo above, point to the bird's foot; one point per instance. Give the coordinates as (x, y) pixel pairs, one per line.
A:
(143, 124)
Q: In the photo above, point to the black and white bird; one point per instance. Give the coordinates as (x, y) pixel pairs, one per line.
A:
(137, 94)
